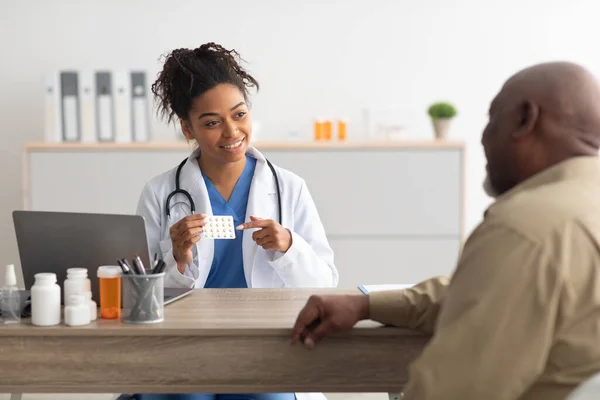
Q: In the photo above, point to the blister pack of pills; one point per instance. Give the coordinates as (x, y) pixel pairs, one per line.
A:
(219, 227)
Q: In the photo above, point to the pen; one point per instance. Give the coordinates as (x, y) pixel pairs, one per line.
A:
(159, 267)
(124, 260)
(124, 267)
(140, 264)
(136, 268)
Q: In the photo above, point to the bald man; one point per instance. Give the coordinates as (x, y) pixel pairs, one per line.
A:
(520, 317)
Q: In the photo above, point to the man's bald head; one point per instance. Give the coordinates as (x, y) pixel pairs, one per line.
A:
(543, 115)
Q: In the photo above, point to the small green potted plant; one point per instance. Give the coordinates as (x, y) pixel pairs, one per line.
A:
(441, 114)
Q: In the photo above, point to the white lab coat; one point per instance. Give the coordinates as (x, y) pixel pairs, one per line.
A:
(307, 263)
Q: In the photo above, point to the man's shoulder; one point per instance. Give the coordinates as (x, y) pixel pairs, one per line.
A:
(549, 210)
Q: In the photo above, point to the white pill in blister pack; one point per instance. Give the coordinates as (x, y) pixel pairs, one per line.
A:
(219, 227)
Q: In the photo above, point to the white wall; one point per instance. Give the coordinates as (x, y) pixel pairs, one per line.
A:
(312, 57)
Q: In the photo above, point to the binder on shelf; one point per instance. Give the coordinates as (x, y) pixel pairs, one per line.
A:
(96, 106)
(69, 84)
(140, 116)
(52, 108)
(122, 106)
(104, 107)
(87, 94)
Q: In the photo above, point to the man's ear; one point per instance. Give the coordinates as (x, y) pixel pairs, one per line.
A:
(529, 113)
(186, 129)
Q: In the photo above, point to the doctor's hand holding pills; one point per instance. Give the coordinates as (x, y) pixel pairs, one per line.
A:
(184, 234)
(270, 234)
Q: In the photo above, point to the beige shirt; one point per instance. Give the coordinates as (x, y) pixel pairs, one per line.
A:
(520, 317)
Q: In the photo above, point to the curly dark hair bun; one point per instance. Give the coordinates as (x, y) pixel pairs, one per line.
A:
(188, 73)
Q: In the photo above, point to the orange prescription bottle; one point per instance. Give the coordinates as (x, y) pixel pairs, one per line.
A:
(318, 130)
(109, 278)
(341, 130)
(327, 129)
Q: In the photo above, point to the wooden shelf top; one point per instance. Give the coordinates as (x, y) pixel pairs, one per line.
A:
(261, 145)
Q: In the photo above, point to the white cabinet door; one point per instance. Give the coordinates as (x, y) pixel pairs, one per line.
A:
(382, 192)
(393, 261)
(393, 216)
(96, 182)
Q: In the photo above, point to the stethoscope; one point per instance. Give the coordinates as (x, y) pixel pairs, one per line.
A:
(189, 197)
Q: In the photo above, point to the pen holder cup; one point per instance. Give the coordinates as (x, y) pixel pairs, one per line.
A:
(143, 298)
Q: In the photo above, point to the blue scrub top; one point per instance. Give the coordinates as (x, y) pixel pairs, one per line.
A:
(227, 269)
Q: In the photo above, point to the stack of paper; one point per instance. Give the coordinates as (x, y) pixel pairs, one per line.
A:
(366, 289)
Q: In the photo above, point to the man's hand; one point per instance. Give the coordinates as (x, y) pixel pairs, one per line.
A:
(184, 234)
(324, 315)
(270, 234)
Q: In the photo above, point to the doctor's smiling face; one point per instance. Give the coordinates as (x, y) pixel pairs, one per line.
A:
(220, 122)
(207, 90)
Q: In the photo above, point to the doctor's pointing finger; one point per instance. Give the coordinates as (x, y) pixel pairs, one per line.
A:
(270, 234)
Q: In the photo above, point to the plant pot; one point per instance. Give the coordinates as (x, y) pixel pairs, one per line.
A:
(441, 126)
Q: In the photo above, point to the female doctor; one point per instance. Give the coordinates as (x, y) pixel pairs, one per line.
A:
(280, 240)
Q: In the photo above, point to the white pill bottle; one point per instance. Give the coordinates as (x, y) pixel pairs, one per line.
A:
(45, 300)
(77, 282)
(77, 311)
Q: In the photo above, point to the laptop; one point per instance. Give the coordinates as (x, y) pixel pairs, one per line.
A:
(55, 241)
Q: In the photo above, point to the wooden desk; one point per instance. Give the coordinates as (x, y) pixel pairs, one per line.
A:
(217, 341)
